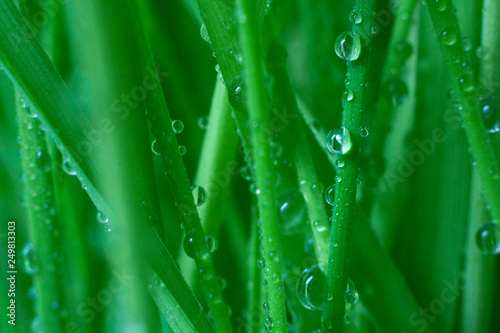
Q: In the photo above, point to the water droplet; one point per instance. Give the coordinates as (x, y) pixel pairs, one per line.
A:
(199, 195)
(177, 126)
(351, 296)
(189, 245)
(338, 141)
(276, 149)
(182, 150)
(340, 163)
(311, 288)
(68, 167)
(347, 320)
(363, 131)
(292, 212)
(236, 94)
(101, 217)
(348, 46)
(29, 259)
(374, 30)
(320, 226)
(203, 123)
(328, 323)
(441, 5)
(449, 37)
(261, 263)
(490, 114)
(221, 282)
(338, 179)
(212, 243)
(265, 306)
(355, 18)
(155, 149)
(488, 238)
(348, 95)
(466, 83)
(397, 91)
(204, 34)
(245, 173)
(330, 194)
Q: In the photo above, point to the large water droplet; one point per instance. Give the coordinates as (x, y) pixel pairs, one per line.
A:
(29, 259)
(397, 91)
(491, 114)
(330, 194)
(199, 195)
(355, 18)
(351, 296)
(101, 217)
(261, 263)
(68, 167)
(189, 245)
(449, 37)
(177, 126)
(292, 212)
(488, 238)
(155, 149)
(348, 46)
(204, 34)
(212, 243)
(311, 288)
(338, 141)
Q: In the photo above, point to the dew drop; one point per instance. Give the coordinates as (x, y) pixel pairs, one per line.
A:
(466, 83)
(330, 195)
(338, 141)
(182, 150)
(155, 149)
(29, 259)
(363, 131)
(397, 91)
(265, 306)
(189, 245)
(261, 263)
(292, 212)
(199, 195)
(204, 34)
(246, 173)
(203, 123)
(348, 95)
(441, 5)
(311, 288)
(355, 18)
(488, 238)
(212, 243)
(351, 296)
(490, 114)
(374, 30)
(68, 167)
(177, 126)
(449, 37)
(101, 217)
(340, 163)
(348, 46)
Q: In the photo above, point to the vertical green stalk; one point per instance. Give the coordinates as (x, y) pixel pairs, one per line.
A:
(346, 185)
(42, 219)
(255, 278)
(464, 87)
(261, 143)
(480, 269)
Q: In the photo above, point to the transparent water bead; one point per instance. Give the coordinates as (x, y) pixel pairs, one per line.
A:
(397, 91)
(68, 167)
(190, 240)
(348, 95)
(29, 259)
(177, 126)
(449, 37)
(101, 218)
(212, 243)
(348, 46)
(338, 141)
(330, 195)
(182, 150)
(155, 149)
(363, 131)
(203, 123)
(352, 296)
(204, 34)
(488, 239)
(261, 263)
(311, 288)
(355, 18)
(490, 114)
(199, 195)
(292, 212)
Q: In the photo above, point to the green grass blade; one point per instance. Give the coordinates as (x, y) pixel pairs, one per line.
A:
(345, 189)
(264, 171)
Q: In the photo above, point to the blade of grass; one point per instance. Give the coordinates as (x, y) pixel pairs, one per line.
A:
(345, 189)
(464, 87)
(44, 88)
(258, 114)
